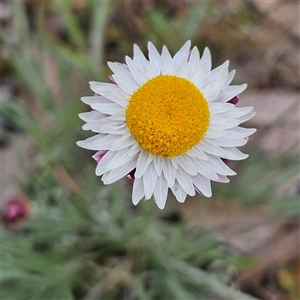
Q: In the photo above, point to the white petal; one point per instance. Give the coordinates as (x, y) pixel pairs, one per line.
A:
(229, 142)
(137, 191)
(185, 181)
(137, 74)
(230, 92)
(196, 151)
(99, 125)
(182, 55)
(98, 142)
(241, 132)
(100, 87)
(142, 164)
(135, 148)
(179, 193)
(174, 163)
(161, 192)
(215, 132)
(115, 129)
(169, 171)
(218, 72)
(208, 90)
(149, 180)
(206, 59)
(204, 168)
(108, 108)
(104, 87)
(186, 163)
(89, 100)
(111, 129)
(247, 117)
(222, 178)
(183, 71)
(91, 115)
(193, 62)
(237, 112)
(219, 82)
(110, 91)
(234, 154)
(119, 173)
(154, 58)
(123, 73)
(168, 63)
(151, 71)
(101, 166)
(203, 185)
(229, 78)
(232, 119)
(118, 97)
(209, 147)
(199, 76)
(119, 117)
(217, 108)
(158, 164)
(122, 142)
(217, 122)
(125, 85)
(139, 58)
(120, 159)
(219, 166)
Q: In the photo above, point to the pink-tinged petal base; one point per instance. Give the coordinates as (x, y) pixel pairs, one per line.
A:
(225, 160)
(234, 100)
(111, 80)
(99, 155)
(130, 175)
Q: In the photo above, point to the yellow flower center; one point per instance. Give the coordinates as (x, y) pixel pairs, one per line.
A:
(167, 115)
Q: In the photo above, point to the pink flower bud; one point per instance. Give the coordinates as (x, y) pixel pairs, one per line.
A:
(16, 210)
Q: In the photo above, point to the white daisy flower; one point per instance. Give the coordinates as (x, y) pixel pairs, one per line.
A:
(166, 122)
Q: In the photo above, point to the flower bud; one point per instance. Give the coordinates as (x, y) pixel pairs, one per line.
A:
(16, 210)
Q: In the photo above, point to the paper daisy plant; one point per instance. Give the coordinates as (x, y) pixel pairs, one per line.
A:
(166, 122)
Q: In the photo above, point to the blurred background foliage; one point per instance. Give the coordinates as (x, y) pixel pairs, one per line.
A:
(64, 235)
